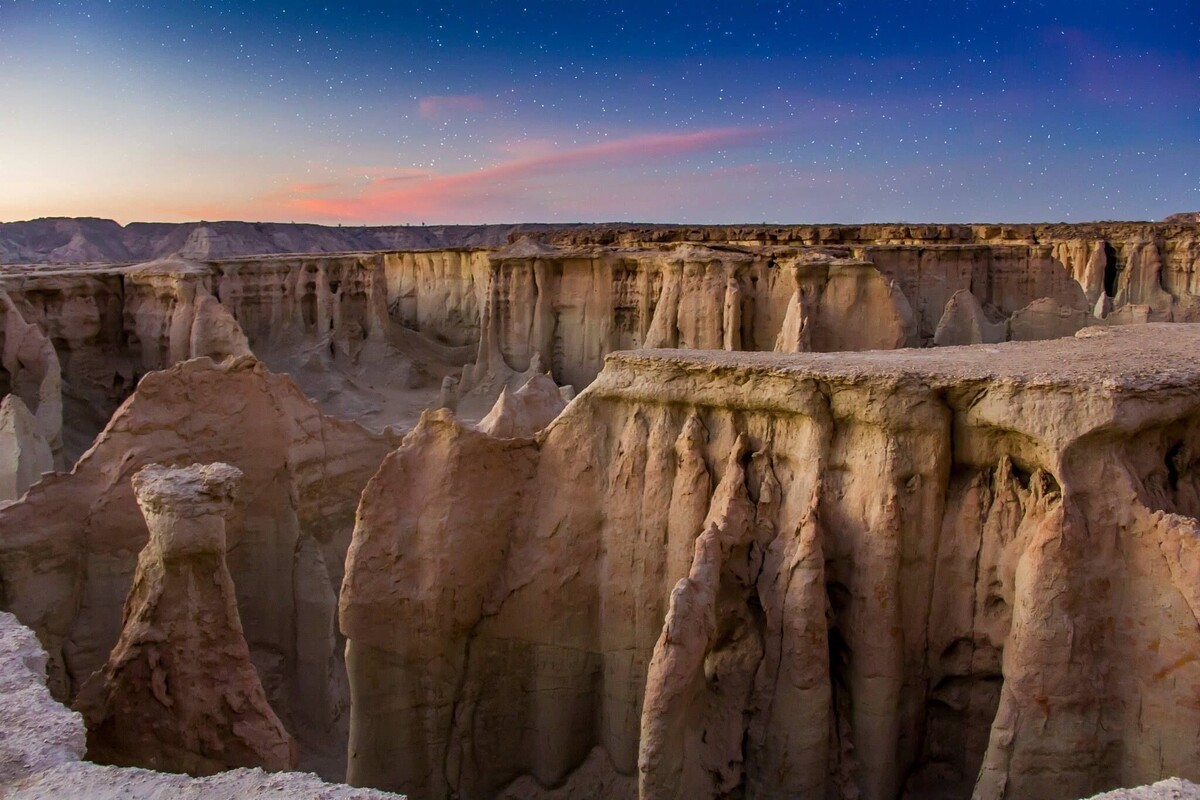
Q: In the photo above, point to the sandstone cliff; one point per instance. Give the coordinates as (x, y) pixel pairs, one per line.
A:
(24, 453)
(75, 341)
(941, 573)
(377, 336)
(179, 692)
(571, 298)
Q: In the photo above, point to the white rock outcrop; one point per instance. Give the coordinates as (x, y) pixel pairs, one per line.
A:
(42, 742)
(24, 453)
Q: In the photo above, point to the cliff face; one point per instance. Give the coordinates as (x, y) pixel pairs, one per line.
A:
(569, 308)
(572, 297)
(942, 573)
(43, 746)
(75, 341)
(380, 336)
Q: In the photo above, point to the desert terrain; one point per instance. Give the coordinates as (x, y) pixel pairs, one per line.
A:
(886, 511)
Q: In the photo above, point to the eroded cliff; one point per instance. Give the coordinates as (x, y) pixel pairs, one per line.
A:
(944, 573)
(381, 336)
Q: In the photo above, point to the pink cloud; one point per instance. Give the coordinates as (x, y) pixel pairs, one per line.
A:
(442, 106)
(401, 176)
(413, 193)
(311, 188)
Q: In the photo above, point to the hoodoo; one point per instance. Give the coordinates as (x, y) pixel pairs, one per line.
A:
(179, 692)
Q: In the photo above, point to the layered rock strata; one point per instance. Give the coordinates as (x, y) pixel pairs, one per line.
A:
(960, 572)
(179, 692)
(325, 320)
(69, 548)
(77, 341)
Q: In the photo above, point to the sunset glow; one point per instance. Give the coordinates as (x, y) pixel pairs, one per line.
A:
(495, 112)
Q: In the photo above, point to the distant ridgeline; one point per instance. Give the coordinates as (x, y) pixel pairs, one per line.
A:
(67, 240)
(61, 240)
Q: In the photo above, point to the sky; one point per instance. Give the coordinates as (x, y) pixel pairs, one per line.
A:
(586, 110)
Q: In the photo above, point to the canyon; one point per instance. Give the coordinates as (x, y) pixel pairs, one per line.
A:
(873, 511)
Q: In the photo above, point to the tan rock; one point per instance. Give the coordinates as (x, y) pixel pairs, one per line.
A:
(439, 568)
(525, 411)
(957, 570)
(43, 743)
(30, 370)
(179, 692)
(964, 322)
(1046, 319)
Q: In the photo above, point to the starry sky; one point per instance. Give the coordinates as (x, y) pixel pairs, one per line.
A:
(599, 110)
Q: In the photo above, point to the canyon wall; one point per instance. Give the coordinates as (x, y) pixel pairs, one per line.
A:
(379, 337)
(573, 296)
(939, 573)
(75, 341)
(933, 573)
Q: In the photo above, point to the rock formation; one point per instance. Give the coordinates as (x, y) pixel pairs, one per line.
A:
(30, 371)
(373, 336)
(952, 572)
(179, 692)
(68, 549)
(964, 321)
(24, 454)
(42, 742)
(757, 565)
(525, 411)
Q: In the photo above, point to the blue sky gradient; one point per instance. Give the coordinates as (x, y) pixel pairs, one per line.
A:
(590, 111)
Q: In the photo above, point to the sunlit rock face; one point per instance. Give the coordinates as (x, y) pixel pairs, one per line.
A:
(953, 572)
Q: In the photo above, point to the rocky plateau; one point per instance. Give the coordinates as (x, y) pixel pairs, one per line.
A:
(873, 512)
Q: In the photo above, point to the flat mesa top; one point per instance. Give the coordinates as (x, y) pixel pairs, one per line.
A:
(1132, 357)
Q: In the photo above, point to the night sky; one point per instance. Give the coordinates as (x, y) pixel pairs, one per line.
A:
(599, 111)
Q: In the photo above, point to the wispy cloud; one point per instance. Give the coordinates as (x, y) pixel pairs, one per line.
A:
(311, 188)
(443, 106)
(491, 190)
